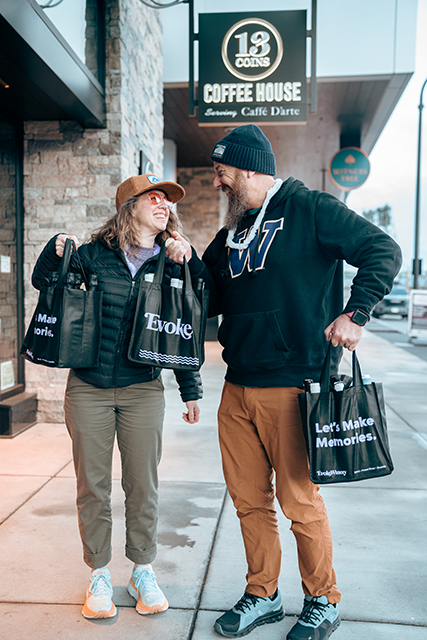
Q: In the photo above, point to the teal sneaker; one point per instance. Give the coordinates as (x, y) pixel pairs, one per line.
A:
(144, 588)
(250, 612)
(99, 603)
(317, 621)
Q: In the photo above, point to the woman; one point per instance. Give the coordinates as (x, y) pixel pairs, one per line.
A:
(119, 395)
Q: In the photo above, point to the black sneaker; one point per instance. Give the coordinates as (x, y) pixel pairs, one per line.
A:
(317, 621)
(250, 612)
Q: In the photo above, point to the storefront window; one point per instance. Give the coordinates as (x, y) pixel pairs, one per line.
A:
(80, 24)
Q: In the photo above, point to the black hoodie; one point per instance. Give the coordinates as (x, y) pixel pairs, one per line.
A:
(278, 296)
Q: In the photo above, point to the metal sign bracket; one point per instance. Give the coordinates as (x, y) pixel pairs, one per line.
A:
(312, 33)
(193, 37)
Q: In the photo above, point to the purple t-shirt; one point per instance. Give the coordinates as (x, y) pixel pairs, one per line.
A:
(136, 259)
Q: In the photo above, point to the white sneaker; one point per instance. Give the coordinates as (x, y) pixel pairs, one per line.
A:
(144, 588)
(99, 594)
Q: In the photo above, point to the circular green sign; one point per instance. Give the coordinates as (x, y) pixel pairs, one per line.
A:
(349, 168)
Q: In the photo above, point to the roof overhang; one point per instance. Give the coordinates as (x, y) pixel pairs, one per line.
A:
(47, 80)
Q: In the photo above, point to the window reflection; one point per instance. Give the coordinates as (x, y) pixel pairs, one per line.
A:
(78, 21)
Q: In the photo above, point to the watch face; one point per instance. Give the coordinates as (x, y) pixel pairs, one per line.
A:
(360, 318)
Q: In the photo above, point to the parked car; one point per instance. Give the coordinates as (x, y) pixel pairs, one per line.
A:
(395, 303)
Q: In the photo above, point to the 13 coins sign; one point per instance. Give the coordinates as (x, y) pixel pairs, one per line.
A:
(252, 68)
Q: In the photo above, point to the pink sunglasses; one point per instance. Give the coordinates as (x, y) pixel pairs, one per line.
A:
(155, 199)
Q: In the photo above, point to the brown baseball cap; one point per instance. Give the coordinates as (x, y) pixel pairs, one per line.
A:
(135, 185)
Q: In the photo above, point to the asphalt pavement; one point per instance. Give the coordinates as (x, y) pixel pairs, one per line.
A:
(378, 526)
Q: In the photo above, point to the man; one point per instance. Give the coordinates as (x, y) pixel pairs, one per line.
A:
(275, 274)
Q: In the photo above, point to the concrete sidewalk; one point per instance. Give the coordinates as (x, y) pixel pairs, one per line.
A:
(379, 528)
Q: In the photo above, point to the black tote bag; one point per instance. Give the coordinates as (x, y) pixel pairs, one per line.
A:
(65, 329)
(170, 322)
(345, 431)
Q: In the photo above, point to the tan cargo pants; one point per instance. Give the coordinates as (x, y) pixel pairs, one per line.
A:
(93, 417)
(260, 432)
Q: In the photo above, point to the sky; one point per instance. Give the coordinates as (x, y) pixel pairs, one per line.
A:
(392, 179)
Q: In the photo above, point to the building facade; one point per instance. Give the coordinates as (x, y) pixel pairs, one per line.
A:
(70, 168)
(85, 102)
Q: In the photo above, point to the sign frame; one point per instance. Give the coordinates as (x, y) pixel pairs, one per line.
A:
(259, 90)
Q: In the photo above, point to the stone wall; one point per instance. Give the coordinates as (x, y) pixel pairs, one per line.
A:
(70, 180)
(71, 173)
(200, 210)
(141, 94)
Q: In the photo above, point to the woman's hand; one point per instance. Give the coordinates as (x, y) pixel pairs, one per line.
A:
(60, 243)
(177, 247)
(193, 412)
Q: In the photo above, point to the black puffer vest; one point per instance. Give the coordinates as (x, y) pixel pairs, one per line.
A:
(120, 293)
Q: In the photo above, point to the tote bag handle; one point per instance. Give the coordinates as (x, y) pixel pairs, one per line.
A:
(325, 376)
(65, 264)
(160, 269)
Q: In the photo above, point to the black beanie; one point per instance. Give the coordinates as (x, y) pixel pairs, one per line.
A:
(246, 148)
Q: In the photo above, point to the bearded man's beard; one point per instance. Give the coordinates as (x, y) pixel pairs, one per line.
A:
(237, 204)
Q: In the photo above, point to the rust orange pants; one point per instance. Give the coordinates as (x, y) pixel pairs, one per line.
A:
(260, 433)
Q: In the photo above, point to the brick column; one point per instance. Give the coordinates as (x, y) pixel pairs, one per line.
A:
(200, 209)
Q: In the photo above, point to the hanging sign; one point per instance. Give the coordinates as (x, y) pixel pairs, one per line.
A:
(349, 168)
(252, 68)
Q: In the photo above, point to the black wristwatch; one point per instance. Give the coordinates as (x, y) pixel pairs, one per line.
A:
(360, 317)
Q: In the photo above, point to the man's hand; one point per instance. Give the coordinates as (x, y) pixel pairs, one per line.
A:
(60, 243)
(193, 412)
(177, 247)
(344, 333)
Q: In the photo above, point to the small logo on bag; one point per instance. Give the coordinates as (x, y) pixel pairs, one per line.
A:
(332, 472)
(156, 324)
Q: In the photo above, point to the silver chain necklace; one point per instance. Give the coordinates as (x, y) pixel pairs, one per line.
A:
(247, 241)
